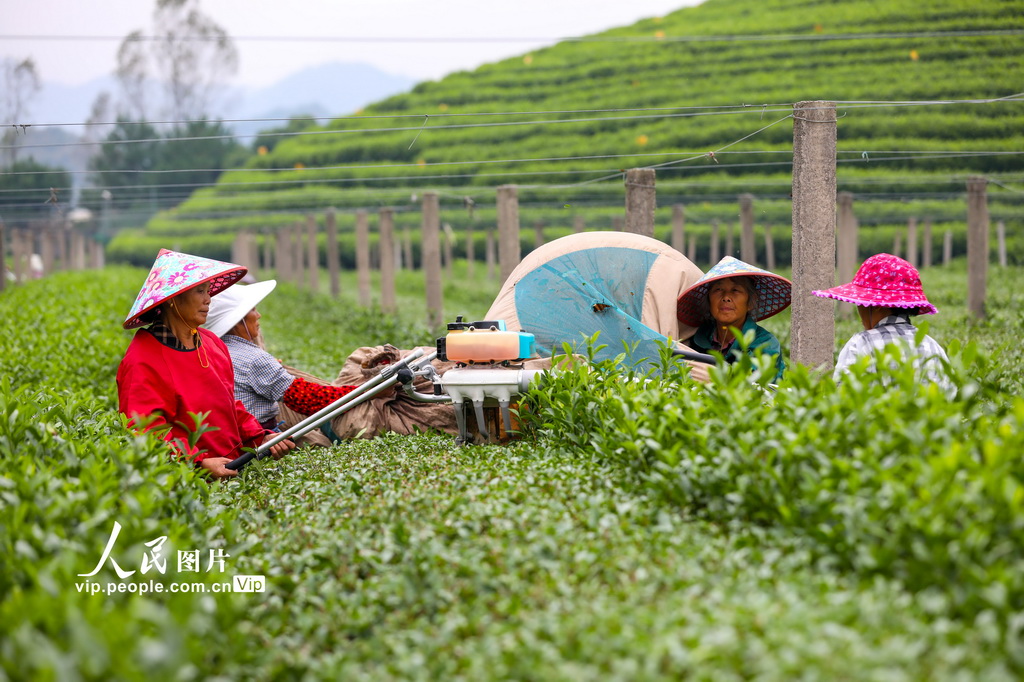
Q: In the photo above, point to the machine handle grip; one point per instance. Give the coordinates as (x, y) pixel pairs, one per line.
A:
(695, 356)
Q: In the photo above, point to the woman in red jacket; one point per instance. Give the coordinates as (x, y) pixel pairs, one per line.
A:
(173, 371)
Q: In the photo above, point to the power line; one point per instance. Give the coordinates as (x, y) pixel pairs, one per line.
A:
(656, 37)
(734, 110)
(474, 189)
(443, 114)
(764, 107)
(420, 128)
(860, 153)
(608, 173)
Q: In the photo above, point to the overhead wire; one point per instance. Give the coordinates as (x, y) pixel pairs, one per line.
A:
(607, 173)
(650, 38)
(732, 110)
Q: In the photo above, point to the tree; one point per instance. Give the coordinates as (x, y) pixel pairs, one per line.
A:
(38, 190)
(21, 85)
(131, 148)
(197, 150)
(200, 151)
(189, 56)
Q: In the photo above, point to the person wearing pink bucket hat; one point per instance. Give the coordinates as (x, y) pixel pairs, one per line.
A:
(887, 291)
(173, 369)
(734, 295)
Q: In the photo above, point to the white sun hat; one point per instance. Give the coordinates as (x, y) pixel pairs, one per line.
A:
(234, 303)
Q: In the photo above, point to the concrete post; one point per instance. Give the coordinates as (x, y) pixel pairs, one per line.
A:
(678, 227)
(748, 248)
(489, 255)
(640, 201)
(431, 246)
(912, 240)
(298, 257)
(333, 257)
(78, 251)
(947, 247)
(268, 253)
(619, 223)
(1001, 240)
(236, 249)
(691, 248)
(846, 247)
(715, 255)
(47, 237)
(470, 250)
(283, 260)
(18, 255)
(579, 224)
(387, 261)
(730, 246)
(410, 261)
(846, 260)
(312, 254)
(812, 335)
(926, 244)
(363, 257)
(769, 247)
(977, 245)
(253, 250)
(538, 234)
(508, 230)
(95, 255)
(449, 250)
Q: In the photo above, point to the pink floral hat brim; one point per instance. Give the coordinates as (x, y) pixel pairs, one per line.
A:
(173, 273)
(884, 280)
(774, 293)
(858, 295)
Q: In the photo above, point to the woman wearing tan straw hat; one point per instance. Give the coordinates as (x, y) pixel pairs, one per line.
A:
(735, 295)
(261, 382)
(887, 292)
(172, 369)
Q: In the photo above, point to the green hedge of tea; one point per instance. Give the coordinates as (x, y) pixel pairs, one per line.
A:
(780, 551)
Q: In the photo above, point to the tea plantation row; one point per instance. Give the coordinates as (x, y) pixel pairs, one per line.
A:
(556, 120)
(648, 531)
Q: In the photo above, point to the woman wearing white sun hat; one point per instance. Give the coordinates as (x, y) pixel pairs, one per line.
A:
(261, 381)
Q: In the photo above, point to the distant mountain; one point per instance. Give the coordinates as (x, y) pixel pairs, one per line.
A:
(327, 90)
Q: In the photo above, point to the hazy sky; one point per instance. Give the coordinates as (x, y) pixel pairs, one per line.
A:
(73, 62)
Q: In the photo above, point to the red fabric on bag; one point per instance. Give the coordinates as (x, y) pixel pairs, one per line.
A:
(307, 397)
(156, 380)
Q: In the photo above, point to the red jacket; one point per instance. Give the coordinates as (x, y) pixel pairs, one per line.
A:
(156, 380)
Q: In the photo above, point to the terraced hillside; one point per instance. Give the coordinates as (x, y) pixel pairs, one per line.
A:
(563, 122)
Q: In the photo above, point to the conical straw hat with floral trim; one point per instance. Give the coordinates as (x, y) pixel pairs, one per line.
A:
(774, 293)
(173, 273)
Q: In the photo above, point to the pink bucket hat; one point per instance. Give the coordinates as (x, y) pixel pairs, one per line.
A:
(884, 280)
(173, 273)
(773, 292)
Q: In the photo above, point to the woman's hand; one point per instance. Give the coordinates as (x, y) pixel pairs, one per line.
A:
(278, 450)
(699, 371)
(215, 467)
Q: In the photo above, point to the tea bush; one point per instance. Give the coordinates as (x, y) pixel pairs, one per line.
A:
(886, 478)
(602, 550)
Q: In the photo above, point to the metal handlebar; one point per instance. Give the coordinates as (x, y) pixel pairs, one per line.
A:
(387, 377)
